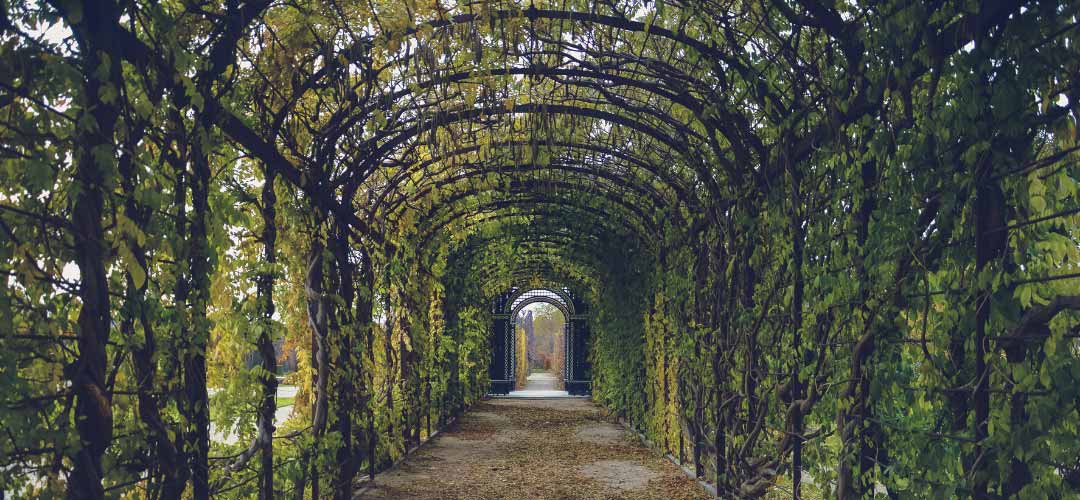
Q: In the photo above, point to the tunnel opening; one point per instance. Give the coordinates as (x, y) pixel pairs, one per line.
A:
(540, 333)
(569, 367)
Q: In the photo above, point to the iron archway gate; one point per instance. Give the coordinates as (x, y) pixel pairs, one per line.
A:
(576, 372)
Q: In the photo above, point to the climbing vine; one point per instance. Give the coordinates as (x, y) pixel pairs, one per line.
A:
(824, 246)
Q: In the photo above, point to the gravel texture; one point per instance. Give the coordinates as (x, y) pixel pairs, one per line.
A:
(534, 449)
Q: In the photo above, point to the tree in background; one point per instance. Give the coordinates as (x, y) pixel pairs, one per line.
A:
(544, 325)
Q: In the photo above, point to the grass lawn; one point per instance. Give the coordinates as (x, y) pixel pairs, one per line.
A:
(282, 402)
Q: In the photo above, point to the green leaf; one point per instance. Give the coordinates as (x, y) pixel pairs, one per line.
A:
(1038, 204)
(131, 265)
(108, 93)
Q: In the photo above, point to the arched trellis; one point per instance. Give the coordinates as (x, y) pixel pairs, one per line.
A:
(505, 308)
(755, 189)
(676, 140)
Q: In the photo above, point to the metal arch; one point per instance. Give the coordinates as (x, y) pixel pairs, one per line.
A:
(535, 294)
(604, 204)
(579, 151)
(535, 300)
(506, 307)
(567, 318)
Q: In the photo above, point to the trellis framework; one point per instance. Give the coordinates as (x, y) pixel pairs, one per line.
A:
(832, 237)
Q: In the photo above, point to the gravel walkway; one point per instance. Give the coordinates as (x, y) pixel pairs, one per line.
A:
(534, 449)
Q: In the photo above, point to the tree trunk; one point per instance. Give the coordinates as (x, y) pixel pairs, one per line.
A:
(142, 356)
(365, 442)
(318, 319)
(797, 236)
(265, 343)
(851, 422)
(990, 243)
(346, 367)
(198, 435)
(93, 403)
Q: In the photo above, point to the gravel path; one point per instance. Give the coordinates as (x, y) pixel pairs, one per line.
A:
(534, 449)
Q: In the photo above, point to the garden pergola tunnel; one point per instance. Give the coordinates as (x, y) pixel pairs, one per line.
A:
(833, 240)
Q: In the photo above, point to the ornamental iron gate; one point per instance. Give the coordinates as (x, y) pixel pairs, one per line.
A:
(577, 371)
